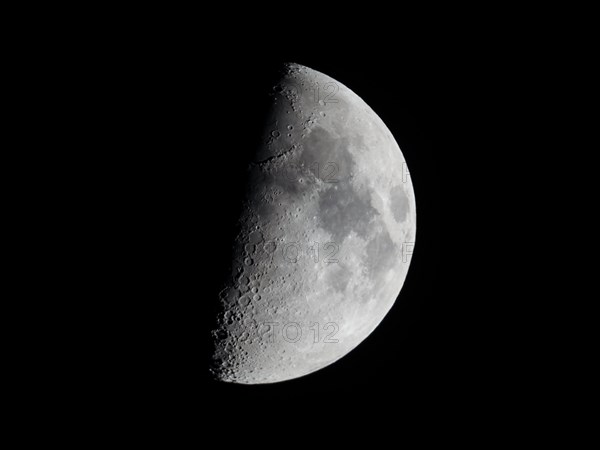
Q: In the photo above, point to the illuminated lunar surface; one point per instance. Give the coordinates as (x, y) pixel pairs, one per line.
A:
(326, 234)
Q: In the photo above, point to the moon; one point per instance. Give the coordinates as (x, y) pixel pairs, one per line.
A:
(326, 234)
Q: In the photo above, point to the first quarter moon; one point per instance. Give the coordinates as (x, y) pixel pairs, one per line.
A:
(325, 238)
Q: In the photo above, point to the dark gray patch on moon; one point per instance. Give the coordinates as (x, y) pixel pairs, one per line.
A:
(327, 157)
(381, 254)
(342, 210)
(289, 180)
(339, 278)
(399, 203)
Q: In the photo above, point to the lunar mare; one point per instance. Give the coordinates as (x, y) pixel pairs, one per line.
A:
(326, 232)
